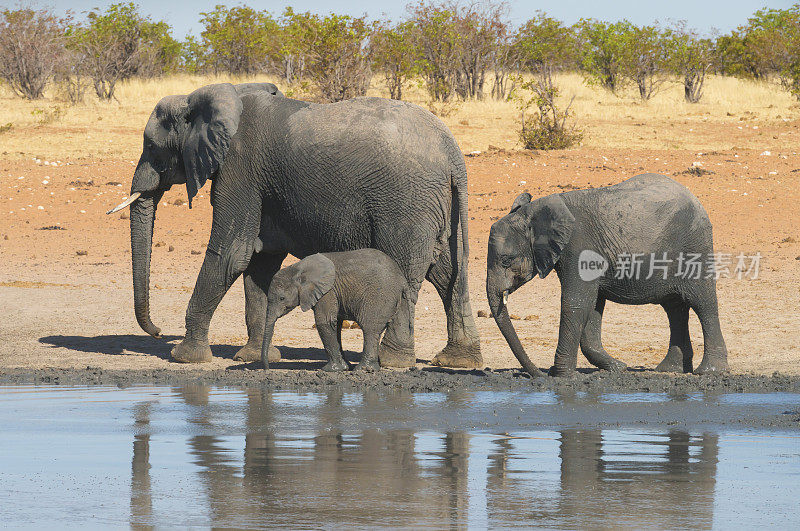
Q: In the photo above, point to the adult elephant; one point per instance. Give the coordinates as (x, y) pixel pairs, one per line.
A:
(307, 178)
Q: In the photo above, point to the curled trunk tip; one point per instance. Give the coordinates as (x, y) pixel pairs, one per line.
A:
(501, 317)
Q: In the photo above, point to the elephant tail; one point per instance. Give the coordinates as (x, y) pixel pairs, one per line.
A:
(461, 193)
(408, 293)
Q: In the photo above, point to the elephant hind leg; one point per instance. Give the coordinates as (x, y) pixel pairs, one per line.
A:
(397, 347)
(257, 278)
(591, 342)
(680, 353)
(463, 349)
(715, 353)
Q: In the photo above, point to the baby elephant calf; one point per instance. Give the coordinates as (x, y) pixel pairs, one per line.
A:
(365, 286)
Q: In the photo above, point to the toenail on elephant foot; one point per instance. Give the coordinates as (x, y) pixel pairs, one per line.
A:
(712, 367)
(614, 366)
(191, 351)
(332, 366)
(605, 362)
(396, 357)
(368, 366)
(668, 365)
(250, 353)
(460, 356)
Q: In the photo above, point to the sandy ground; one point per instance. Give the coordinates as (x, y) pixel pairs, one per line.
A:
(65, 287)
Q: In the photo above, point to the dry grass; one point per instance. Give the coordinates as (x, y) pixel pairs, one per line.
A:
(53, 130)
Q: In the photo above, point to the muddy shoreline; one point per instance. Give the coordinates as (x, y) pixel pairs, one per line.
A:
(414, 380)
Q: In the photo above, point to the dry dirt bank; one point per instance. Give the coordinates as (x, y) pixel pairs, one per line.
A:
(65, 287)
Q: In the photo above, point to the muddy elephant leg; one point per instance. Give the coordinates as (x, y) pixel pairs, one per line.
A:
(257, 278)
(591, 343)
(329, 327)
(215, 278)
(397, 347)
(463, 347)
(576, 306)
(680, 353)
(715, 353)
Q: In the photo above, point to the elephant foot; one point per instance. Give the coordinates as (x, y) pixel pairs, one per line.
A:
(191, 351)
(249, 353)
(460, 356)
(396, 357)
(673, 362)
(603, 360)
(368, 366)
(711, 367)
(334, 366)
(561, 372)
(613, 365)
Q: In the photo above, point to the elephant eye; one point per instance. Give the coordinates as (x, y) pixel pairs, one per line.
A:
(505, 261)
(283, 298)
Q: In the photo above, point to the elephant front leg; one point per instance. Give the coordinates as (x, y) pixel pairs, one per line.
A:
(215, 278)
(329, 329)
(257, 278)
(575, 310)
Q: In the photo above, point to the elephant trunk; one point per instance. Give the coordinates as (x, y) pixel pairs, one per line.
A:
(269, 330)
(143, 215)
(501, 317)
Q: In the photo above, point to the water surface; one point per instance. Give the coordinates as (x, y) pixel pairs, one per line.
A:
(201, 456)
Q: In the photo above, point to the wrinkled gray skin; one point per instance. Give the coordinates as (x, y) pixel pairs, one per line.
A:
(308, 178)
(365, 286)
(645, 214)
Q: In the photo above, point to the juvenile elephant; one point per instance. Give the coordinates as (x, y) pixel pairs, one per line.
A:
(364, 285)
(594, 240)
(307, 178)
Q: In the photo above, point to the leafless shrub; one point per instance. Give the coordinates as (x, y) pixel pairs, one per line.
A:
(481, 27)
(31, 49)
(457, 45)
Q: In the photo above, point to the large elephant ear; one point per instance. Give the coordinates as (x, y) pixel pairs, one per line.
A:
(249, 88)
(552, 225)
(315, 277)
(213, 114)
(522, 199)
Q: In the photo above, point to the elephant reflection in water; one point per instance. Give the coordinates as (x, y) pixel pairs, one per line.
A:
(375, 477)
(401, 478)
(220, 474)
(610, 484)
(141, 497)
(627, 487)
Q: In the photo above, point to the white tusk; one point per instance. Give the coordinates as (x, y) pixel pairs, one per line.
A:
(134, 196)
(505, 298)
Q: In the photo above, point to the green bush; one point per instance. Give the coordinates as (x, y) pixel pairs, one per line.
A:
(237, 40)
(395, 55)
(545, 135)
(547, 131)
(335, 50)
(544, 46)
(119, 43)
(603, 47)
